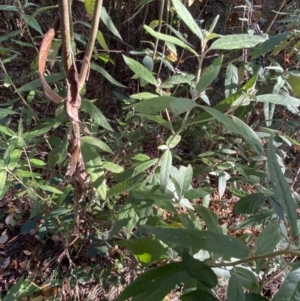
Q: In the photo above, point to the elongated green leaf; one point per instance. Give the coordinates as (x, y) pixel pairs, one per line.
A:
(96, 142)
(248, 279)
(270, 44)
(125, 186)
(206, 240)
(5, 130)
(187, 18)
(2, 179)
(283, 100)
(235, 290)
(269, 238)
(158, 120)
(93, 165)
(209, 74)
(198, 295)
(135, 170)
(167, 38)
(238, 41)
(182, 105)
(32, 22)
(249, 135)
(231, 80)
(52, 78)
(143, 95)
(141, 71)
(8, 8)
(106, 75)
(153, 285)
(147, 250)
(109, 23)
(239, 127)
(113, 167)
(95, 114)
(89, 7)
(161, 199)
(177, 80)
(249, 203)
(50, 189)
(196, 193)
(210, 219)
(165, 169)
(9, 35)
(282, 191)
(289, 289)
(255, 297)
(199, 270)
(158, 104)
(14, 158)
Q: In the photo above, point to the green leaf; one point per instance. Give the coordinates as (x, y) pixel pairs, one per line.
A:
(14, 159)
(113, 167)
(235, 290)
(10, 35)
(173, 141)
(125, 186)
(187, 177)
(102, 71)
(210, 219)
(182, 105)
(238, 41)
(96, 142)
(255, 297)
(177, 80)
(209, 74)
(136, 169)
(5, 130)
(109, 23)
(2, 179)
(50, 189)
(101, 41)
(165, 169)
(167, 38)
(249, 135)
(239, 127)
(289, 289)
(270, 44)
(143, 95)
(163, 200)
(28, 226)
(32, 22)
(268, 238)
(198, 295)
(155, 284)
(8, 8)
(199, 270)
(147, 250)
(278, 99)
(196, 193)
(52, 78)
(158, 104)
(95, 114)
(27, 174)
(93, 165)
(140, 70)
(187, 18)
(206, 240)
(231, 80)
(282, 191)
(249, 203)
(89, 7)
(248, 279)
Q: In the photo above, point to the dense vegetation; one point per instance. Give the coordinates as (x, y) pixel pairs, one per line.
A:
(174, 175)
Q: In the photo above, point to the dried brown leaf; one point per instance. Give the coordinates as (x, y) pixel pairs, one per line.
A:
(44, 51)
